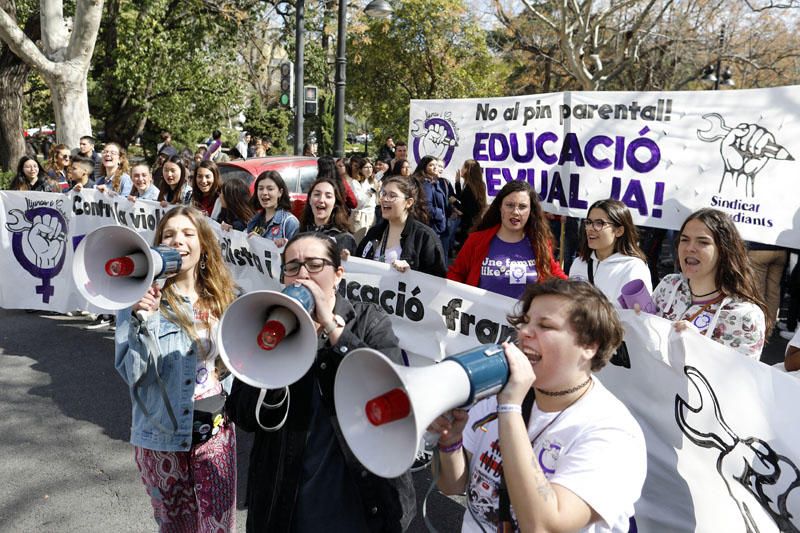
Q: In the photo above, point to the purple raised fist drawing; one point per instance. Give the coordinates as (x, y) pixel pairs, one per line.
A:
(38, 243)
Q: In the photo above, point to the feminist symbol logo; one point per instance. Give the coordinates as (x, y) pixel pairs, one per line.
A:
(436, 136)
(38, 244)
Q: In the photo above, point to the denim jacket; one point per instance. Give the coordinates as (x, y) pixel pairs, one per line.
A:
(283, 225)
(176, 365)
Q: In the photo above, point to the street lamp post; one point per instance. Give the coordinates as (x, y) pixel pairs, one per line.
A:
(299, 44)
(376, 8)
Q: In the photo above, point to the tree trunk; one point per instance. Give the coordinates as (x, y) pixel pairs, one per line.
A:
(12, 143)
(13, 74)
(64, 62)
(70, 103)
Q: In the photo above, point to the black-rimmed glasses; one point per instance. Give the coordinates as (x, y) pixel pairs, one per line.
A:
(312, 264)
(597, 224)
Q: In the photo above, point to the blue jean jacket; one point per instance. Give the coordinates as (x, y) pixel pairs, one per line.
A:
(283, 225)
(175, 364)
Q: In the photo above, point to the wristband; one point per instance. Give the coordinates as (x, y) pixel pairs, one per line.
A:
(509, 408)
(450, 448)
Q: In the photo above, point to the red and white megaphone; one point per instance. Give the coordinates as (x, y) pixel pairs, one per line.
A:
(268, 339)
(113, 267)
(384, 408)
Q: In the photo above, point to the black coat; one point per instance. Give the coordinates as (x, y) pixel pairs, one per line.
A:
(470, 209)
(421, 247)
(276, 460)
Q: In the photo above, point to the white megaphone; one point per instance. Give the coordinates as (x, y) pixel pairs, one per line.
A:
(268, 339)
(114, 266)
(384, 408)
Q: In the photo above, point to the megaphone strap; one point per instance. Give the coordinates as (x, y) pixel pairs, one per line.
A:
(152, 349)
(262, 393)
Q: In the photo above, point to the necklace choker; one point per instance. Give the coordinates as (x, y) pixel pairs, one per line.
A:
(566, 391)
(701, 295)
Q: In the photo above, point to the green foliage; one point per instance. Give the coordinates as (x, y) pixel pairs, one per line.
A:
(271, 122)
(5, 179)
(429, 49)
(37, 107)
(173, 63)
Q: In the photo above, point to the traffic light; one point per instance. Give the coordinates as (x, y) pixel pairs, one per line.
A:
(287, 83)
(310, 100)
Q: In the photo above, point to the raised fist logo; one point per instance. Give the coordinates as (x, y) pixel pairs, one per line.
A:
(435, 136)
(745, 150)
(38, 244)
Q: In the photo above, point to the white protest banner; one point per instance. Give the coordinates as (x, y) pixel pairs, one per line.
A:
(664, 154)
(721, 436)
(432, 317)
(719, 427)
(40, 231)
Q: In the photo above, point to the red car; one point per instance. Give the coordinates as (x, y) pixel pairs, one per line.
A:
(298, 173)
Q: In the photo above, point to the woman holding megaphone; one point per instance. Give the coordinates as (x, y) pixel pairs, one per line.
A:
(185, 448)
(302, 475)
(554, 450)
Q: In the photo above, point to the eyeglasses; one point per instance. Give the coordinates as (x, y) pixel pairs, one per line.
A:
(390, 196)
(312, 264)
(65, 156)
(513, 207)
(110, 152)
(597, 225)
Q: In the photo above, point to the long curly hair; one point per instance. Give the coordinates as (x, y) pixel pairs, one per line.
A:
(214, 283)
(54, 159)
(537, 230)
(734, 274)
(619, 216)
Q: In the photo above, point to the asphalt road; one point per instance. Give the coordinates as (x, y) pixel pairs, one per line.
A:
(65, 461)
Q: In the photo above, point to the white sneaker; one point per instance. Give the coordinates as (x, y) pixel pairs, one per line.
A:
(788, 335)
(100, 323)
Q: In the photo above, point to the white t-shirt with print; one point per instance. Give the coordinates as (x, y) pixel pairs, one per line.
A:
(206, 381)
(595, 448)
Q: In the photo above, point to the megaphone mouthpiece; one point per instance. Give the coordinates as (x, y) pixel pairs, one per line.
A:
(133, 265)
(388, 407)
(268, 339)
(280, 323)
(113, 267)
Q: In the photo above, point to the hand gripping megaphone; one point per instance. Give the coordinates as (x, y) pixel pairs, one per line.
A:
(113, 267)
(268, 339)
(384, 408)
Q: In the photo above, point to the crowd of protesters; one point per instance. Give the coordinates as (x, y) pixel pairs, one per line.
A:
(410, 219)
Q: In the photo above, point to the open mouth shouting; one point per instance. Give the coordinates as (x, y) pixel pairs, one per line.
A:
(533, 355)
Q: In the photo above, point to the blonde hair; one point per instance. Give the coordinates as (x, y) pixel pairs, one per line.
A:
(53, 157)
(122, 168)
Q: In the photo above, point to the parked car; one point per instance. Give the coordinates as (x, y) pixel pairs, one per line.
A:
(298, 173)
(49, 129)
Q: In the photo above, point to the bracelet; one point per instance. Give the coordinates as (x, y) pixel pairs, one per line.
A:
(509, 408)
(450, 448)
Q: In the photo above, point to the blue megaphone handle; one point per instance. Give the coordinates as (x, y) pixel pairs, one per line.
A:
(170, 261)
(301, 294)
(487, 369)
